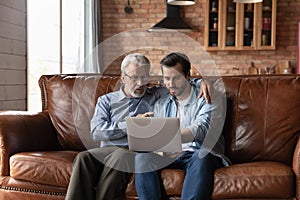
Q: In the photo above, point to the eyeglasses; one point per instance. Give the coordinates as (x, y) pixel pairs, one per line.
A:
(136, 78)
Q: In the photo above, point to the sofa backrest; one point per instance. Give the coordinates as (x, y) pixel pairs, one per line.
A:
(262, 116)
(70, 101)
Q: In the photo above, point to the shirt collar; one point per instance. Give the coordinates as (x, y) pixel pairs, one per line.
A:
(122, 94)
(193, 97)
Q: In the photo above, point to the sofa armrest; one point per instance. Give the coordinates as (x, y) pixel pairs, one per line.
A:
(296, 168)
(22, 131)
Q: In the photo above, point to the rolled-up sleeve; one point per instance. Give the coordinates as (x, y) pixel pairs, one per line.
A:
(102, 127)
(208, 119)
(200, 123)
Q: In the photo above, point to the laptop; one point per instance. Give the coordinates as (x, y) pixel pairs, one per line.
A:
(149, 134)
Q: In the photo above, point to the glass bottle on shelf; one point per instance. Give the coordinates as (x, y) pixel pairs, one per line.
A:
(215, 23)
(248, 25)
(230, 6)
(266, 20)
(247, 22)
(214, 6)
(264, 39)
(249, 6)
(230, 24)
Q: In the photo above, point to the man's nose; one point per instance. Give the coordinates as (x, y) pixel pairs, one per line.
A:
(172, 83)
(141, 81)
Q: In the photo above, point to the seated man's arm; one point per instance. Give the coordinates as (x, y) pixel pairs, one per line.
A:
(186, 135)
(104, 126)
(208, 120)
(203, 87)
(205, 90)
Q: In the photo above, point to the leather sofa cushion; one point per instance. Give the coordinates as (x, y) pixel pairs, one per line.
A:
(51, 168)
(254, 180)
(251, 180)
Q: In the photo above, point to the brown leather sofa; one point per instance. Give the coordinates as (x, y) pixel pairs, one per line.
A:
(261, 129)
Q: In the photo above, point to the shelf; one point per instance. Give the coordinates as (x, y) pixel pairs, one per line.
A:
(253, 34)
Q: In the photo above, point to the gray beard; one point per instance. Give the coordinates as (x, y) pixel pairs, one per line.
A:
(136, 95)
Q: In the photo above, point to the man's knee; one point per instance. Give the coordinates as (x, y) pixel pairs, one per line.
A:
(81, 156)
(85, 158)
(146, 162)
(121, 159)
(123, 155)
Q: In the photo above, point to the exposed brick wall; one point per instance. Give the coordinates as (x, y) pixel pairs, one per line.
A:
(149, 12)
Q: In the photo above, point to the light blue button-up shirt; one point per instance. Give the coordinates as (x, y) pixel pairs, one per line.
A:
(204, 120)
(108, 123)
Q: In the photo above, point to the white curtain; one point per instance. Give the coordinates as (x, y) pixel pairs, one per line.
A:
(92, 36)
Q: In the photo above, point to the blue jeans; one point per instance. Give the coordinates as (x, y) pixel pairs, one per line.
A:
(198, 181)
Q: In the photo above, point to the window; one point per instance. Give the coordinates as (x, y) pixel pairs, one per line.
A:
(58, 40)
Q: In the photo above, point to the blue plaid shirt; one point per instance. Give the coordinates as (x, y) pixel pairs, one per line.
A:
(108, 123)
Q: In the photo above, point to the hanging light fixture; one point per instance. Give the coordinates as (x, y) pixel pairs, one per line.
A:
(247, 1)
(181, 2)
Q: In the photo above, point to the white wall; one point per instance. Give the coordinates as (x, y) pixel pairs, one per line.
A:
(13, 55)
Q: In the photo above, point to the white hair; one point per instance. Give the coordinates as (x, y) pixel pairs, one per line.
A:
(137, 59)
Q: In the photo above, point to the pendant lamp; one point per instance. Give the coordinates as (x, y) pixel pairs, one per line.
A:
(181, 2)
(247, 1)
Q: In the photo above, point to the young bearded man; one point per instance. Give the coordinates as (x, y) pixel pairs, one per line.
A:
(198, 120)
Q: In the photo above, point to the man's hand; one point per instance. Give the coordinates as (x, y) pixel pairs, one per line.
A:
(205, 91)
(147, 114)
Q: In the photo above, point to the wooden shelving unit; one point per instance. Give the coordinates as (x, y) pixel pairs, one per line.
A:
(240, 26)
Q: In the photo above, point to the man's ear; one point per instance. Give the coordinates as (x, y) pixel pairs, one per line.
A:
(122, 77)
(188, 76)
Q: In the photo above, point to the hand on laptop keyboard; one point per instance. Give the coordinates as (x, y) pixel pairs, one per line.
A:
(147, 114)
